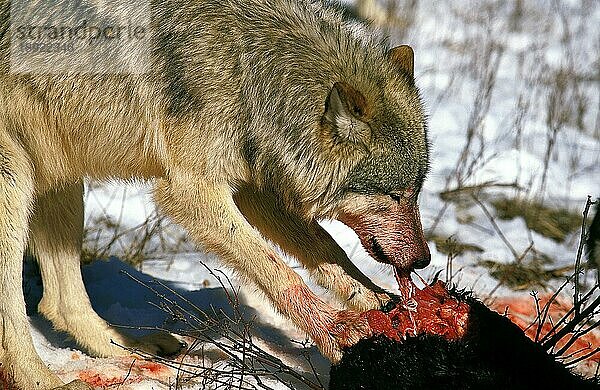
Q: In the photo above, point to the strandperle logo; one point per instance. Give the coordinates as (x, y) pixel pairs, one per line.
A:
(85, 31)
(57, 37)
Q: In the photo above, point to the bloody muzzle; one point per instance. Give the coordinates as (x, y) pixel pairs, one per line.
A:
(393, 235)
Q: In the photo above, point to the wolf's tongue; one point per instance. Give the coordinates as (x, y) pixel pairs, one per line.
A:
(431, 310)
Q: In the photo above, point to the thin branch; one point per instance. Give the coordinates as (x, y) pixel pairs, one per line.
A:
(576, 300)
(581, 358)
(496, 227)
(571, 324)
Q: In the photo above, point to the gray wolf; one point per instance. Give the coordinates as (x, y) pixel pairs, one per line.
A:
(254, 120)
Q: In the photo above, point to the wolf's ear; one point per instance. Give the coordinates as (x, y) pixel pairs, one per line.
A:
(403, 57)
(347, 113)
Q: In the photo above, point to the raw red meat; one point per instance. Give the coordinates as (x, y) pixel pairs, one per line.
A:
(430, 310)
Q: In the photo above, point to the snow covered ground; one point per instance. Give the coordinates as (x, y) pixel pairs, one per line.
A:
(523, 83)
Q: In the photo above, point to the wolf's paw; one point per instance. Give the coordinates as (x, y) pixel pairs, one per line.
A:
(345, 330)
(27, 372)
(362, 299)
(75, 385)
(160, 343)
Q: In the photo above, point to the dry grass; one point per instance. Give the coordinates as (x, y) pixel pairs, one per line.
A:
(552, 222)
(452, 246)
(526, 275)
(108, 233)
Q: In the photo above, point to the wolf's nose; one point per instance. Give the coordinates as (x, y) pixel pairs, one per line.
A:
(422, 262)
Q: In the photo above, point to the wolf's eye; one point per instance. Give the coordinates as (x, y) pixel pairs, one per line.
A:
(406, 194)
(357, 111)
(395, 197)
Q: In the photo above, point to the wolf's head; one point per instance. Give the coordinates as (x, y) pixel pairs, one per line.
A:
(338, 131)
(384, 130)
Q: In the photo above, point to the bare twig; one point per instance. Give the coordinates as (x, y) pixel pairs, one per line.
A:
(584, 357)
(576, 300)
(127, 375)
(496, 227)
(577, 318)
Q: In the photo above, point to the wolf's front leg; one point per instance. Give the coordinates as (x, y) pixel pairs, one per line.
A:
(327, 263)
(211, 217)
